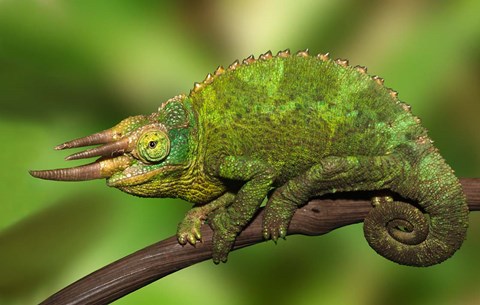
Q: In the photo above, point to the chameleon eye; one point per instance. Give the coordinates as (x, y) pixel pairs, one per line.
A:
(153, 146)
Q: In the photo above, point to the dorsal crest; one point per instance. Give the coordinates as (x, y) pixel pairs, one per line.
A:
(325, 57)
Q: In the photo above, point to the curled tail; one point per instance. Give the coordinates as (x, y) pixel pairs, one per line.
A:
(403, 233)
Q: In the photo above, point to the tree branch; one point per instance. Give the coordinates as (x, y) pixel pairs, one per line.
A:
(160, 259)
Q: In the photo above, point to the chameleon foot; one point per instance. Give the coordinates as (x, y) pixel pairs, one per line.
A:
(189, 229)
(224, 234)
(277, 219)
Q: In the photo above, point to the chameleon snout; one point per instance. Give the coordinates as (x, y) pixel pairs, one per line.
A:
(111, 153)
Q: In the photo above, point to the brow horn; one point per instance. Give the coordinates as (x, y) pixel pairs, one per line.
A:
(102, 137)
(106, 150)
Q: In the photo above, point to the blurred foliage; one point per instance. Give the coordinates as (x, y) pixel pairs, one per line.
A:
(70, 68)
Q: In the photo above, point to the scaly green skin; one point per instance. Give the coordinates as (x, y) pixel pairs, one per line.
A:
(291, 127)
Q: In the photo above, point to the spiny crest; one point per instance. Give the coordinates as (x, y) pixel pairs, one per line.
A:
(285, 54)
(220, 70)
(266, 56)
(208, 79)
(342, 62)
(303, 53)
(378, 80)
(324, 57)
(424, 140)
(361, 69)
(406, 107)
(234, 65)
(249, 60)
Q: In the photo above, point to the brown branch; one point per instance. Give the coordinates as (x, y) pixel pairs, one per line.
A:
(160, 259)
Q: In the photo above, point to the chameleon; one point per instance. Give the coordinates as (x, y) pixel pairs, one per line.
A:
(283, 129)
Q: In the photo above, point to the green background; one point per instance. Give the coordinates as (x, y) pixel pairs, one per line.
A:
(71, 68)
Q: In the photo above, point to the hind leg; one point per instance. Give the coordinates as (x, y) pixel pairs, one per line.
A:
(330, 175)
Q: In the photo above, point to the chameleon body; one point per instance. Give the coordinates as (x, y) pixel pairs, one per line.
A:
(287, 128)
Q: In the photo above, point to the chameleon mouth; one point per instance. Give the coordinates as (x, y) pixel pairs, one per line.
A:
(112, 153)
(134, 175)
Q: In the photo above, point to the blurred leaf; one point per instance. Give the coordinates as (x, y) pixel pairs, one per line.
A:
(40, 248)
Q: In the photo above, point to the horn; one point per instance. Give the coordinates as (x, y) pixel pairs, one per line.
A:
(79, 173)
(102, 137)
(106, 150)
(102, 168)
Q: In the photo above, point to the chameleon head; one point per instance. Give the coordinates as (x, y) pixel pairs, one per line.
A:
(139, 151)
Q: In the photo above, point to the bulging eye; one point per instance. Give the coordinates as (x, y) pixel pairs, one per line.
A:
(153, 146)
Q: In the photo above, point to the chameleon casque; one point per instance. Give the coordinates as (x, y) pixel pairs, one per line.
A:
(287, 128)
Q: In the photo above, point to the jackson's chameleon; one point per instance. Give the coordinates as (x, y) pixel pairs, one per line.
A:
(286, 128)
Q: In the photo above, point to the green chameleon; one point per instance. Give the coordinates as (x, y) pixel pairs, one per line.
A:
(286, 128)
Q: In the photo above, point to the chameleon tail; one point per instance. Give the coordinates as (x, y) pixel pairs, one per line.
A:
(402, 233)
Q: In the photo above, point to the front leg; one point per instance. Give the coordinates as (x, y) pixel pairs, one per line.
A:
(228, 222)
(189, 228)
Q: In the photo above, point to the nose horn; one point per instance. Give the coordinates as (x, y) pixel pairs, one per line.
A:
(79, 173)
(102, 137)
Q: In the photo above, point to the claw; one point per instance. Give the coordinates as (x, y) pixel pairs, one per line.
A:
(198, 236)
(189, 237)
(189, 228)
(192, 240)
(266, 234)
(275, 234)
(182, 240)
